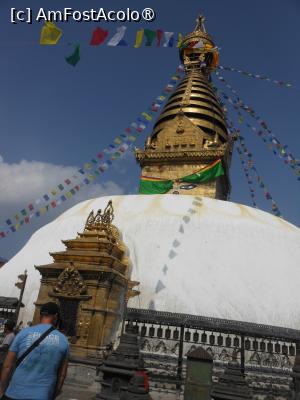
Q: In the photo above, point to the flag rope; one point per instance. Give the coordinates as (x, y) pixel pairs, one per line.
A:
(92, 169)
(265, 133)
(255, 76)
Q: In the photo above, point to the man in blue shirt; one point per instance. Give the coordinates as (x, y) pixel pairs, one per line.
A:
(41, 375)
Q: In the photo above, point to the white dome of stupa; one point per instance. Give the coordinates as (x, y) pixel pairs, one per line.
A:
(191, 255)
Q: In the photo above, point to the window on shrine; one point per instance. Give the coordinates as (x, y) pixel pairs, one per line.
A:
(68, 309)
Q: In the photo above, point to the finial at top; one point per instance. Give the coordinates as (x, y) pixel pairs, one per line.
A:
(100, 220)
(200, 23)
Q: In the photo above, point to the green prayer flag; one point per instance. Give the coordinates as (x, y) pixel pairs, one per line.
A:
(74, 58)
(150, 36)
(154, 186)
(206, 174)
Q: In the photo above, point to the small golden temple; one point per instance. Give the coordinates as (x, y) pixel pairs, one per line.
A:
(90, 281)
(191, 132)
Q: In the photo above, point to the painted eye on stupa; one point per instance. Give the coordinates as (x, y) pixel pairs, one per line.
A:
(187, 187)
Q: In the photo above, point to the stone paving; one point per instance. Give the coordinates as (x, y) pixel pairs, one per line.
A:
(71, 392)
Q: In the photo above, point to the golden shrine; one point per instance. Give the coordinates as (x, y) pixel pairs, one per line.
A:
(90, 281)
(191, 132)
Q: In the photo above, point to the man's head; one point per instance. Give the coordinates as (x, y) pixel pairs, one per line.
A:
(49, 313)
(9, 326)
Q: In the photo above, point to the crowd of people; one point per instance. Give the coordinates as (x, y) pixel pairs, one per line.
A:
(34, 362)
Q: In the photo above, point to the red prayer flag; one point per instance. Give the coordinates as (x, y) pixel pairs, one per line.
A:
(53, 204)
(98, 37)
(159, 36)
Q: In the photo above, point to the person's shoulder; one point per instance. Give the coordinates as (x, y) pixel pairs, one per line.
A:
(62, 337)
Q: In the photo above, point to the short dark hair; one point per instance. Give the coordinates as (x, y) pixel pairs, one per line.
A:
(9, 324)
(50, 308)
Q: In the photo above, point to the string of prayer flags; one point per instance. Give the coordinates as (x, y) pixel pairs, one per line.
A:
(98, 37)
(265, 132)
(247, 176)
(101, 162)
(139, 38)
(74, 58)
(256, 76)
(117, 39)
(259, 179)
(50, 34)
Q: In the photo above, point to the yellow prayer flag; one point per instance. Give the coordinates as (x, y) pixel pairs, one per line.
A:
(179, 42)
(69, 195)
(139, 38)
(43, 210)
(50, 34)
(147, 116)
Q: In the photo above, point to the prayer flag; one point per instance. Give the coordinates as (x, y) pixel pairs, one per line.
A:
(50, 34)
(68, 181)
(150, 185)
(159, 36)
(206, 174)
(98, 37)
(118, 140)
(23, 212)
(147, 116)
(53, 204)
(118, 36)
(168, 37)
(179, 41)
(8, 222)
(74, 58)
(60, 187)
(46, 197)
(150, 36)
(100, 156)
(139, 38)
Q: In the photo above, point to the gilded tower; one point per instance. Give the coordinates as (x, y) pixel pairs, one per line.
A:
(190, 134)
(90, 280)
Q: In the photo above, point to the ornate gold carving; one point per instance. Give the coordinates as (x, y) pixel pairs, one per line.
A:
(100, 220)
(130, 291)
(70, 283)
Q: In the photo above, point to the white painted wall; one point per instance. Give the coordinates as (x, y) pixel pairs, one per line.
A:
(232, 261)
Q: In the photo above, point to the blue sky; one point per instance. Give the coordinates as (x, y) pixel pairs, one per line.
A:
(55, 117)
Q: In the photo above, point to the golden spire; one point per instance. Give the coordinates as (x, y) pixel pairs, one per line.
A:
(191, 131)
(200, 24)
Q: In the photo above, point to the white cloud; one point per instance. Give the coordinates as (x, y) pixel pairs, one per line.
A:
(26, 181)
